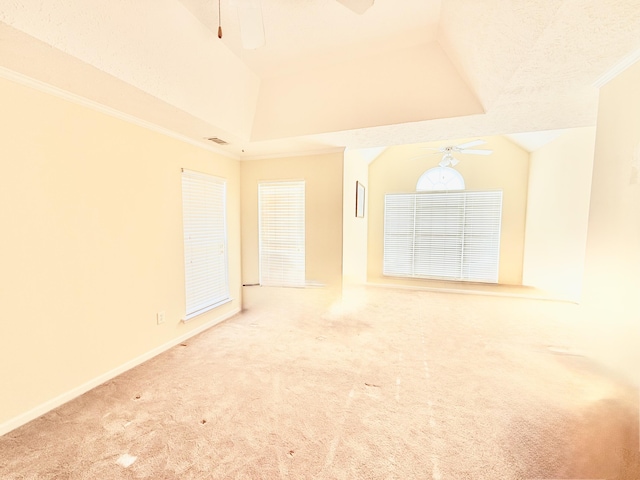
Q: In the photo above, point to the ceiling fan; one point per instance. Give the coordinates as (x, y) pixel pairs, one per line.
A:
(447, 151)
(252, 23)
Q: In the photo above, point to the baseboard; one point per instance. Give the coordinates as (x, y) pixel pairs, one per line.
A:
(45, 407)
(537, 295)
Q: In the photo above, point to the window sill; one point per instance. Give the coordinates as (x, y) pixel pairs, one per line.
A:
(186, 318)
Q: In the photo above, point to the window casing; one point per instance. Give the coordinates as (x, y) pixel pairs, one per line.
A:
(452, 236)
(205, 242)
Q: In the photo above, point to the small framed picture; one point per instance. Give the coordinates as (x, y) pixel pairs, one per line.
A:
(359, 200)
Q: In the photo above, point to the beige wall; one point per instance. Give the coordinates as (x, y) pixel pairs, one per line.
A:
(398, 170)
(323, 216)
(611, 292)
(354, 238)
(558, 213)
(92, 248)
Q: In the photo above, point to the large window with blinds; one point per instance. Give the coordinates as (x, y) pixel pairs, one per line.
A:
(205, 242)
(451, 236)
(282, 233)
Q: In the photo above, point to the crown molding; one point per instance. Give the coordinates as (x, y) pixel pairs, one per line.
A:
(617, 69)
(99, 107)
(297, 153)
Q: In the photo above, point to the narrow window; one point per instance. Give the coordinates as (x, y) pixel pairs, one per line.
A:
(205, 242)
(282, 233)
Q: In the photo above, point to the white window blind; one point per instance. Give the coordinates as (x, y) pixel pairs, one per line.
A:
(453, 236)
(205, 242)
(282, 233)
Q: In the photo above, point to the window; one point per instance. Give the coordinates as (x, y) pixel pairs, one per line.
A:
(282, 233)
(440, 179)
(205, 242)
(452, 236)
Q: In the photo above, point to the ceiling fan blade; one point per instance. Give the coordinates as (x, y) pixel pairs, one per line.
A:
(473, 143)
(477, 152)
(251, 24)
(357, 6)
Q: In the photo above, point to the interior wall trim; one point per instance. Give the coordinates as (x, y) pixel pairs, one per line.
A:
(49, 405)
(617, 69)
(99, 107)
(297, 153)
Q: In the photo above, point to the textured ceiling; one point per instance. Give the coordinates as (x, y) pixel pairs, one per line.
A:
(404, 72)
(312, 33)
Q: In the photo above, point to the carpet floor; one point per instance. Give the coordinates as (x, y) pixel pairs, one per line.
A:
(380, 384)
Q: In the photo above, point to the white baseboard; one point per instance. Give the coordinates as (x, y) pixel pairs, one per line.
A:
(539, 295)
(49, 405)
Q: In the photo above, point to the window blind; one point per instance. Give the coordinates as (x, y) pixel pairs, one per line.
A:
(205, 242)
(453, 236)
(282, 233)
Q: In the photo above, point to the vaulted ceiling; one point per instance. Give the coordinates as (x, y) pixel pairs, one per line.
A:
(403, 72)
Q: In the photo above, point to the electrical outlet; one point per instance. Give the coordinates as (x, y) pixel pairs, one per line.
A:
(160, 318)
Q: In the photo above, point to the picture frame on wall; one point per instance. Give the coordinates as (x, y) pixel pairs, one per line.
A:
(360, 192)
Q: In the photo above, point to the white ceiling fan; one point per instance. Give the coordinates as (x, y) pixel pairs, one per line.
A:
(252, 23)
(447, 151)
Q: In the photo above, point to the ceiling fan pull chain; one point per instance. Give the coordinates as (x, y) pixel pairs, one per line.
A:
(219, 22)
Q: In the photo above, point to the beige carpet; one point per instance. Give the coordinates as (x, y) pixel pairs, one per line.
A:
(385, 384)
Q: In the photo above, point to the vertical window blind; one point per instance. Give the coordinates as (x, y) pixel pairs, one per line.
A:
(205, 242)
(282, 233)
(452, 236)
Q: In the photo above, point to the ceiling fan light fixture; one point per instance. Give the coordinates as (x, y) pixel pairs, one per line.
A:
(448, 160)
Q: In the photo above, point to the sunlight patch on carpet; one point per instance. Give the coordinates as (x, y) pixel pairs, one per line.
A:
(126, 460)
